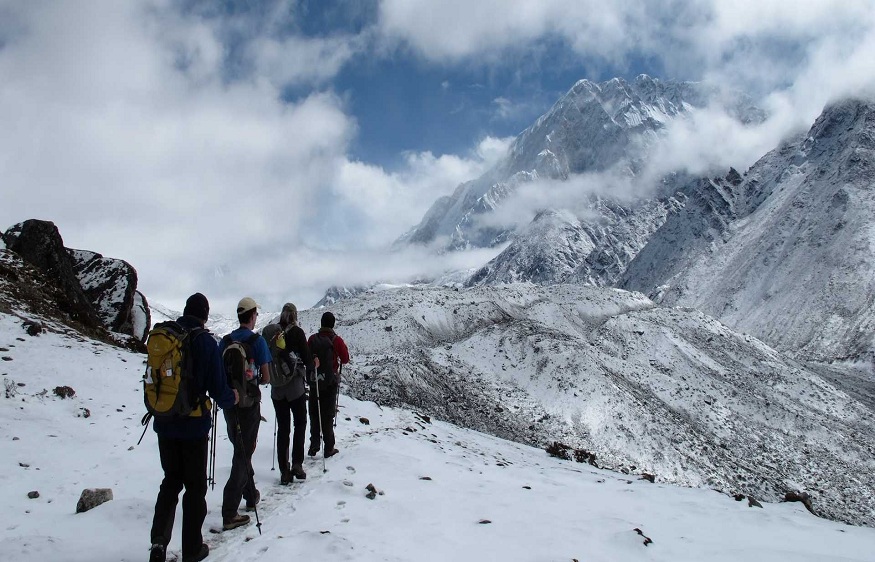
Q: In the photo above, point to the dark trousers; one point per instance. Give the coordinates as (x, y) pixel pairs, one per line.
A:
(285, 409)
(185, 466)
(325, 404)
(240, 482)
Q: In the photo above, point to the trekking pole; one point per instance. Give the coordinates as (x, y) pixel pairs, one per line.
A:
(145, 421)
(248, 468)
(273, 452)
(337, 398)
(211, 477)
(321, 432)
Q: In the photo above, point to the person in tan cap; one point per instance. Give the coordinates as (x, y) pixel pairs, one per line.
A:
(246, 357)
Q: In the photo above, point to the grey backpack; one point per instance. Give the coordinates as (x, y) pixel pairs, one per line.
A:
(286, 364)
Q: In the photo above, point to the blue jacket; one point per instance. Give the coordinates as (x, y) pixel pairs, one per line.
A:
(259, 348)
(209, 377)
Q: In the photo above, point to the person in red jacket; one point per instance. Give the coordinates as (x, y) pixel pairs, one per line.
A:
(332, 352)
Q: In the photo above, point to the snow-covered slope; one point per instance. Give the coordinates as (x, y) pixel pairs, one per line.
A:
(786, 254)
(446, 493)
(647, 389)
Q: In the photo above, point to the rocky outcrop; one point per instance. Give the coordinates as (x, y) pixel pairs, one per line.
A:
(95, 292)
(111, 287)
(40, 244)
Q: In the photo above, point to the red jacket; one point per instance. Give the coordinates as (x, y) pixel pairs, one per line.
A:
(341, 352)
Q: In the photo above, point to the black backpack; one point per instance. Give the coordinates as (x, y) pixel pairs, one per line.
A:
(286, 365)
(240, 368)
(323, 347)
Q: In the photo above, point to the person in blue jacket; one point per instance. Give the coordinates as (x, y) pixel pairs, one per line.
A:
(243, 422)
(183, 445)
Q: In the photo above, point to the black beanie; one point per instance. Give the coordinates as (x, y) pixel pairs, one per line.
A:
(328, 320)
(197, 306)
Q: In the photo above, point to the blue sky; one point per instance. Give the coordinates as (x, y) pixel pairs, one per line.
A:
(282, 145)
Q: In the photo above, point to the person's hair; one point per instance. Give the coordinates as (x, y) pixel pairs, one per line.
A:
(289, 315)
(246, 316)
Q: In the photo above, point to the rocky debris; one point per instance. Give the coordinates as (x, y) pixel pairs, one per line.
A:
(92, 497)
(373, 492)
(84, 413)
(64, 392)
(11, 389)
(33, 495)
(32, 328)
(365, 421)
(558, 450)
(649, 477)
(803, 497)
(647, 540)
(565, 452)
(752, 502)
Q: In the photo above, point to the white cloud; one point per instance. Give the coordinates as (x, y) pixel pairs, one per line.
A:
(390, 203)
(119, 127)
(759, 46)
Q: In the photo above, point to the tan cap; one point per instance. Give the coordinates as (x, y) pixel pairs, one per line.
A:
(246, 304)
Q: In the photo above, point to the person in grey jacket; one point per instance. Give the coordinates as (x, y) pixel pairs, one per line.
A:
(290, 400)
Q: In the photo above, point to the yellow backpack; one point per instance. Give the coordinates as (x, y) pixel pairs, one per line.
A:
(168, 381)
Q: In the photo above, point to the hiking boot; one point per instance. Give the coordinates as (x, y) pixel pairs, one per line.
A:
(157, 553)
(238, 520)
(331, 453)
(286, 477)
(250, 506)
(298, 472)
(313, 450)
(198, 556)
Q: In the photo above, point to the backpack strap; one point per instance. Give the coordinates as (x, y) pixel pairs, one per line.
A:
(200, 400)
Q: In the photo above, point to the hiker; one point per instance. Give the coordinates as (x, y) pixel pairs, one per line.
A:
(290, 400)
(183, 443)
(244, 418)
(330, 352)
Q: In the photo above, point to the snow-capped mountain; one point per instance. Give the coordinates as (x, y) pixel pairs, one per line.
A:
(593, 127)
(558, 247)
(786, 252)
(647, 389)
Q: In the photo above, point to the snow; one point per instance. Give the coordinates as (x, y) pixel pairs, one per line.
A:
(539, 508)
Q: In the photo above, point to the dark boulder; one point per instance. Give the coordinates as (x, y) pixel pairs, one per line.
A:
(95, 291)
(40, 244)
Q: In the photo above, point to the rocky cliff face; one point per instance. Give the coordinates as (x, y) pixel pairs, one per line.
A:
(785, 252)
